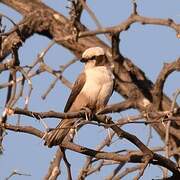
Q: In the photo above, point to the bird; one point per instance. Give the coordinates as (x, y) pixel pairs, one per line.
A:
(92, 89)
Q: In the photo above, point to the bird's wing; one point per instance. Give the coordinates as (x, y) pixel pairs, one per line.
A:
(78, 85)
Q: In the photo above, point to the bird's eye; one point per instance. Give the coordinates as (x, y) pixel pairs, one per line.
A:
(93, 57)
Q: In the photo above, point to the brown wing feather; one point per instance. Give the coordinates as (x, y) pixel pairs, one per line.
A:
(56, 136)
(78, 85)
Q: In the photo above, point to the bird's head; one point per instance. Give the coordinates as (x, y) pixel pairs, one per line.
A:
(94, 55)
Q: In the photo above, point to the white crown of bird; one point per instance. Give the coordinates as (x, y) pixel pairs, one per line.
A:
(93, 51)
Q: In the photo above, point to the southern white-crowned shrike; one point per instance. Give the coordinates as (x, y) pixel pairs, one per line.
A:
(92, 90)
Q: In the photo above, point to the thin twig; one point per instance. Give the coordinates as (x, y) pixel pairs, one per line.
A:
(62, 69)
(68, 165)
(127, 171)
(142, 169)
(157, 159)
(54, 167)
(93, 16)
(15, 172)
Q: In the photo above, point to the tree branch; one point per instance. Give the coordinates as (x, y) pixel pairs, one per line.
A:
(167, 69)
(157, 159)
(54, 171)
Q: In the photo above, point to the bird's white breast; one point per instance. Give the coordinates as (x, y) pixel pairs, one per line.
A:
(99, 83)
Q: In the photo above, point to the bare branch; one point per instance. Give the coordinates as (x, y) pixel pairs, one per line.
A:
(158, 159)
(62, 69)
(93, 16)
(159, 84)
(155, 108)
(68, 165)
(115, 171)
(142, 169)
(127, 171)
(15, 172)
(127, 80)
(54, 171)
(127, 104)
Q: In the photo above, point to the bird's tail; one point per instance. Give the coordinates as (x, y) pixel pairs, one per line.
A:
(57, 135)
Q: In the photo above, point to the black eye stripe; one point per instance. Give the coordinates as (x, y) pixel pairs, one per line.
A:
(91, 58)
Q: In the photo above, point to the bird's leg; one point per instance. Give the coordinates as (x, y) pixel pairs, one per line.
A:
(76, 126)
(100, 114)
(88, 113)
(108, 118)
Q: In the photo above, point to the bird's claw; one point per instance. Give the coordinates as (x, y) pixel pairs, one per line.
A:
(108, 118)
(88, 113)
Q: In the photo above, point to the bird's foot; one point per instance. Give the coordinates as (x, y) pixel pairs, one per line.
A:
(101, 118)
(108, 119)
(88, 113)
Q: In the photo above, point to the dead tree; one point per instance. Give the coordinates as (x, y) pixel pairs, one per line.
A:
(154, 107)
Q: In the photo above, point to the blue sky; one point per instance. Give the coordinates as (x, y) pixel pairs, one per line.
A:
(148, 46)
